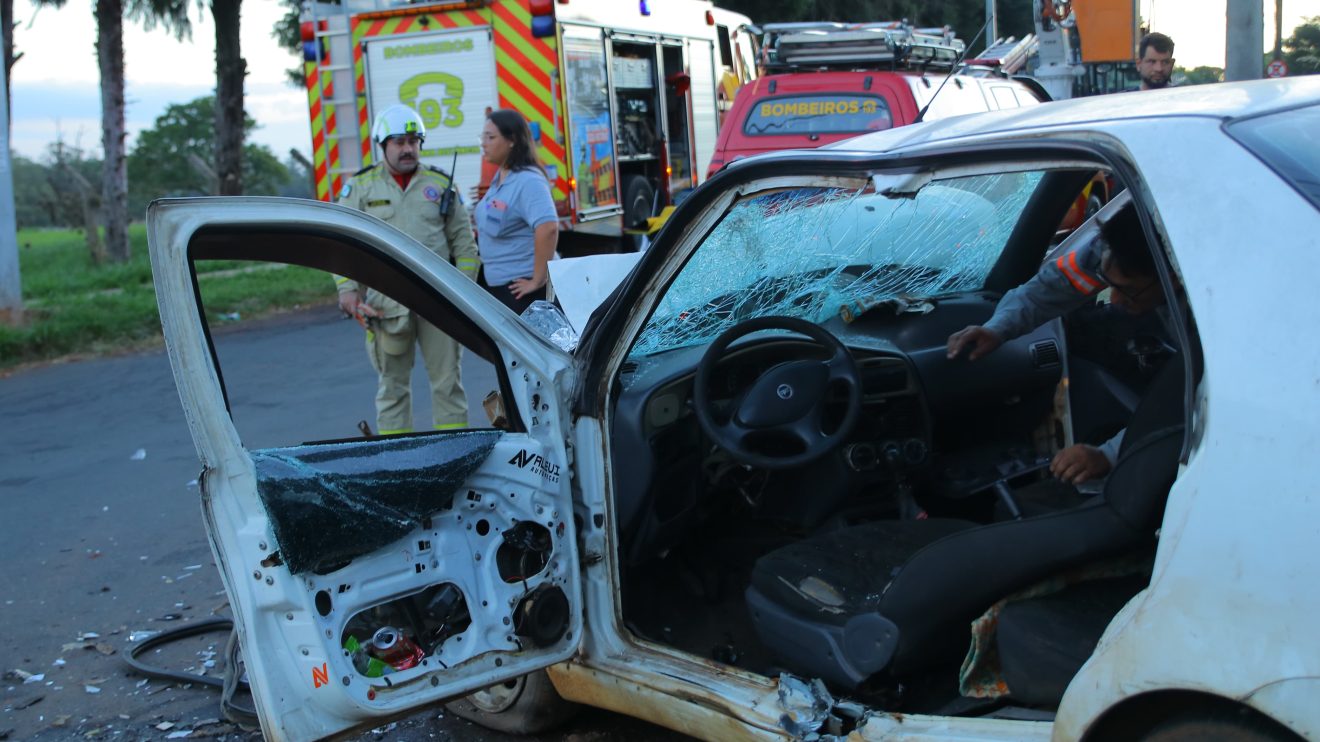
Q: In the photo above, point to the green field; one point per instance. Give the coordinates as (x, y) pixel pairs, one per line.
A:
(75, 307)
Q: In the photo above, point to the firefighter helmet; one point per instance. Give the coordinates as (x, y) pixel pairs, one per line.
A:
(397, 120)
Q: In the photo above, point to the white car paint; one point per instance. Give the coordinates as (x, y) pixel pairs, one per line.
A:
(1230, 610)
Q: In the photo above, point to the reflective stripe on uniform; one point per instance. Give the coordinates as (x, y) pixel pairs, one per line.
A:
(450, 426)
(1081, 274)
(1084, 284)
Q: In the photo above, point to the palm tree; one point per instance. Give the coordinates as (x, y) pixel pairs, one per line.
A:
(173, 16)
(230, 69)
(7, 26)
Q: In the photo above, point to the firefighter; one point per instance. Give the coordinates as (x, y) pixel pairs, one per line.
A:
(1120, 261)
(422, 202)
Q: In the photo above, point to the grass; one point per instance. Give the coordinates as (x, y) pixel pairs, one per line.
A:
(76, 307)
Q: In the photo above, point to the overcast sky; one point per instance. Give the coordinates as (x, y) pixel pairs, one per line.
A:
(56, 83)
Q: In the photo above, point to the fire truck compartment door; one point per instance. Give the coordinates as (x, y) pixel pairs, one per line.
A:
(705, 106)
(591, 155)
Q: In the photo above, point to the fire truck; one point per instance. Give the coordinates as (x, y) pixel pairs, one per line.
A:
(624, 98)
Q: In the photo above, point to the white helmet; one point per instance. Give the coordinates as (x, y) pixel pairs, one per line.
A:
(396, 121)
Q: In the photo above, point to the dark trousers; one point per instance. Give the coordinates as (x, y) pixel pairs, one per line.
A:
(506, 296)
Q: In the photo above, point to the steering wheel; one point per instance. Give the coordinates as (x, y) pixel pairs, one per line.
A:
(777, 421)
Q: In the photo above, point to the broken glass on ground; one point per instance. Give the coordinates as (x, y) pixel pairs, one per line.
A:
(331, 502)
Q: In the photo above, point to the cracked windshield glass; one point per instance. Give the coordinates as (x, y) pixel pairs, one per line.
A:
(819, 252)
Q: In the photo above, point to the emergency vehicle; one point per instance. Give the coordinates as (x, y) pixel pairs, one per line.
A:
(825, 82)
(623, 98)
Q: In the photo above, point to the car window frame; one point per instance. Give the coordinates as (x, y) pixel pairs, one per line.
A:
(353, 259)
(614, 328)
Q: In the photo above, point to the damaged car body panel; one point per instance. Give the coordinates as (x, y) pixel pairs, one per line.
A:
(626, 347)
(368, 577)
(719, 594)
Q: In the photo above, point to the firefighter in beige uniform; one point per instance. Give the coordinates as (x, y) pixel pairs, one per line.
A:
(408, 196)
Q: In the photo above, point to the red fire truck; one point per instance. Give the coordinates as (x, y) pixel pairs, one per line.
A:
(623, 98)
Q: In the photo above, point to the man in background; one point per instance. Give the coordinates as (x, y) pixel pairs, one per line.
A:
(421, 202)
(1155, 61)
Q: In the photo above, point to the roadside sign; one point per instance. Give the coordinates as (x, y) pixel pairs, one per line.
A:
(1277, 68)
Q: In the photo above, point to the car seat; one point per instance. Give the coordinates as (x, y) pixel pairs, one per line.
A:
(898, 596)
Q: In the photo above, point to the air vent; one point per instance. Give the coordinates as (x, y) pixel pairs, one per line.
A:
(628, 368)
(1045, 354)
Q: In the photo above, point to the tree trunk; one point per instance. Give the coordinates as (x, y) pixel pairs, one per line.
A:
(230, 69)
(7, 25)
(114, 169)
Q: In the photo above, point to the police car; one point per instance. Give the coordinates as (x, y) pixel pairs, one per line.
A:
(758, 500)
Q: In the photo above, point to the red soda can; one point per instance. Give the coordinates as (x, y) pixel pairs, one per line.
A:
(391, 646)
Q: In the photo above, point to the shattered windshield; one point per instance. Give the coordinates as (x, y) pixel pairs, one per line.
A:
(820, 252)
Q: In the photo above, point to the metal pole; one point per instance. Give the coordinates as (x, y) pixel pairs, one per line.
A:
(11, 288)
(992, 33)
(1278, 29)
(1244, 40)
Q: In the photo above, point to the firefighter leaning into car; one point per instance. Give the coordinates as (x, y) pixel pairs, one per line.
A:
(422, 202)
(1119, 261)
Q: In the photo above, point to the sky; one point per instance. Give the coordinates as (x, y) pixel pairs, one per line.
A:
(56, 85)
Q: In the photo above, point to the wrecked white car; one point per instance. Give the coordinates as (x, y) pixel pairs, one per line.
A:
(759, 500)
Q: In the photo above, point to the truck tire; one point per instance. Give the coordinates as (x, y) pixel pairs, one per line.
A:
(525, 705)
(638, 196)
(1093, 204)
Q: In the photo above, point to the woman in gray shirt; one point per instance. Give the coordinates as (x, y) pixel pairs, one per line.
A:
(517, 227)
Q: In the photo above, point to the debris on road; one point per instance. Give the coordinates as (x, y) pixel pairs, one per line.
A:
(25, 703)
(27, 677)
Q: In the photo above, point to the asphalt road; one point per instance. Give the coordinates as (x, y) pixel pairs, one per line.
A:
(102, 534)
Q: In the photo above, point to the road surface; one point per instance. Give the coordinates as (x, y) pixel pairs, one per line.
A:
(103, 534)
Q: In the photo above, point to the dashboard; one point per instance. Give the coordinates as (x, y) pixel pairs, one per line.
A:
(916, 405)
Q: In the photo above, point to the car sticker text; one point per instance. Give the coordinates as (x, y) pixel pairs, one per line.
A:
(539, 464)
(320, 675)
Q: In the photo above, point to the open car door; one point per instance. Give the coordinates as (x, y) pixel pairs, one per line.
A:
(371, 576)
